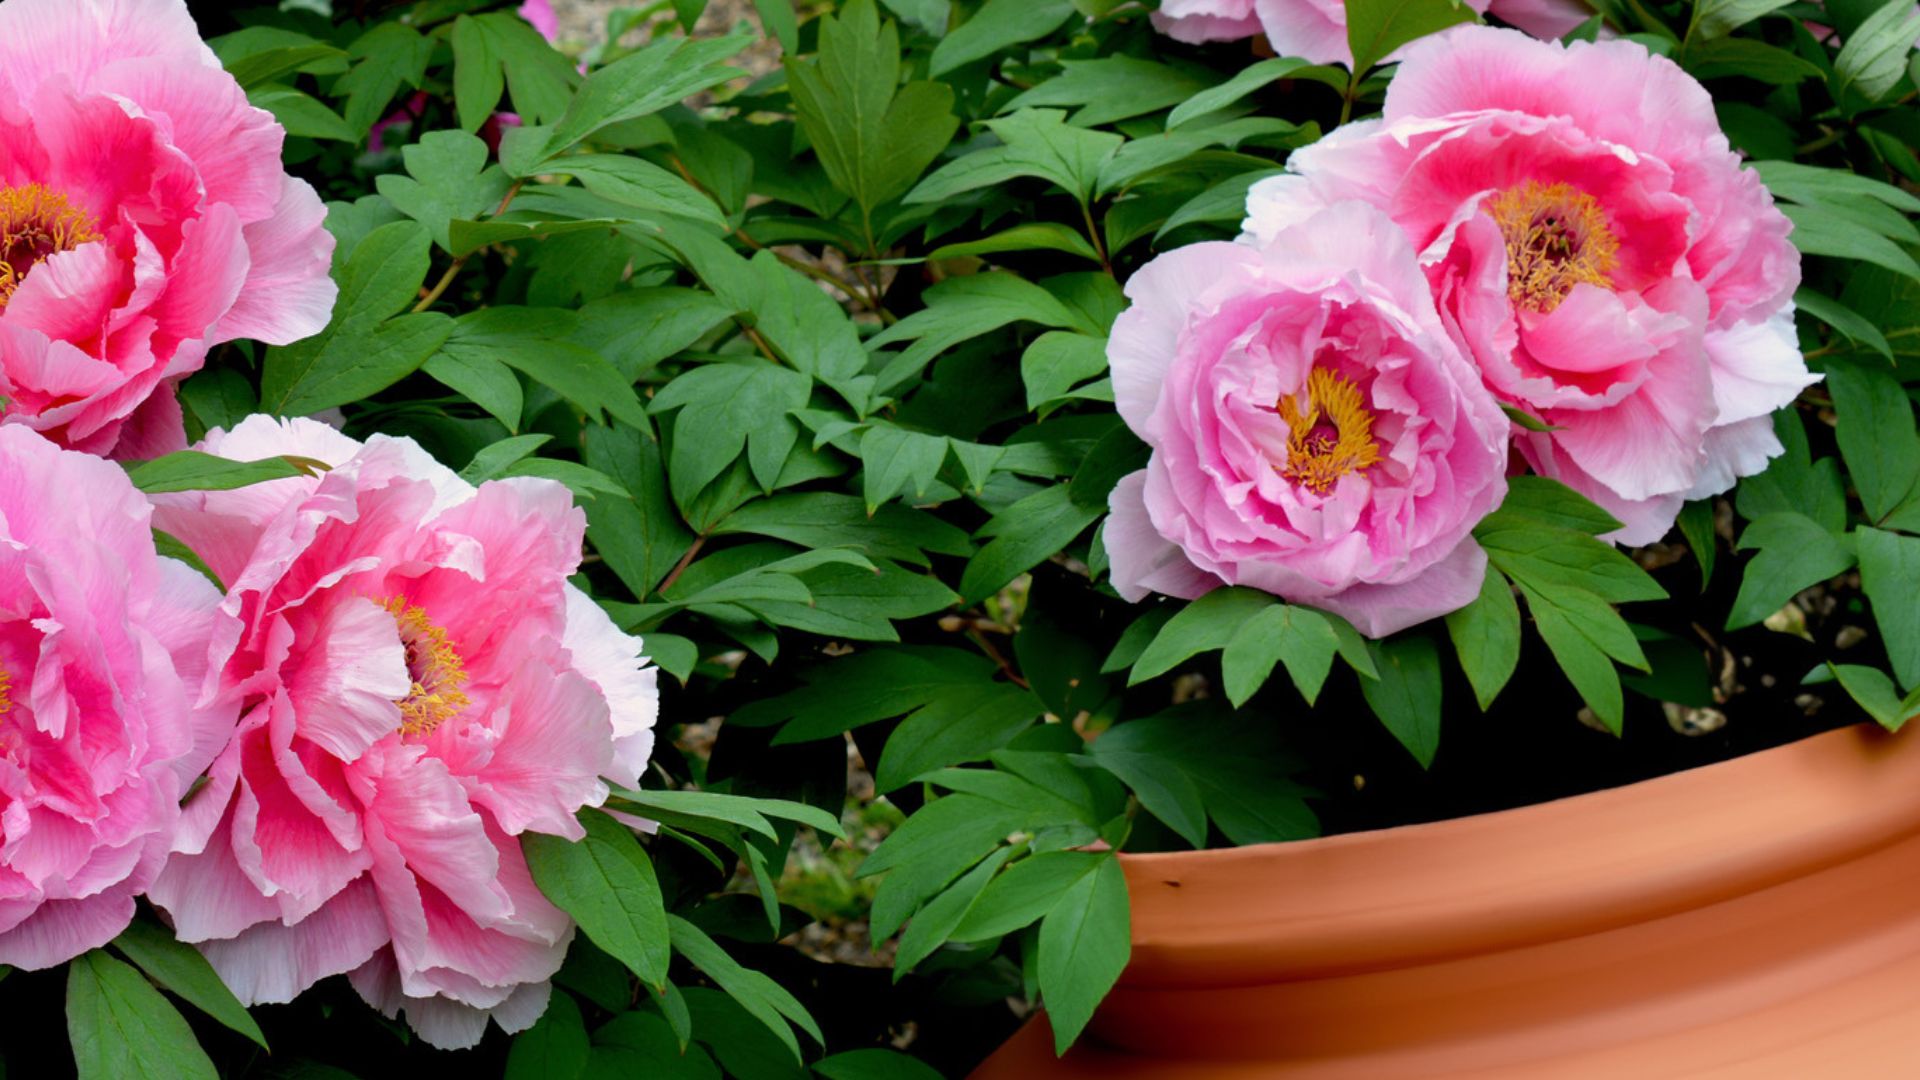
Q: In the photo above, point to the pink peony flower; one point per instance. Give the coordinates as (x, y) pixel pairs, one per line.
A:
(420, 684)
(1595, 247)
(145, 217)
(1315, 432)
(101, 645)
(1314, 30)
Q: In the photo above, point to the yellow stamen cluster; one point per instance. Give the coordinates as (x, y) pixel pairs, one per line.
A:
(36, 223)
(435, 667)
(6, 691)
(1329, 433)
(1557, 237)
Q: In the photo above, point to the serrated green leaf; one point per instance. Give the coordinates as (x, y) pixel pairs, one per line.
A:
(1793, 553)
(1300, 636)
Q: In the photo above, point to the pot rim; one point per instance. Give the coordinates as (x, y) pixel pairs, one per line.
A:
(1415, 894)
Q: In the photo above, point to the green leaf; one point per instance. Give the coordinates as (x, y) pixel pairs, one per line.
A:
(488, 47)
(935, 923)
(1874, 692)
(300, 113)
(1225, 201)
(1203, 625)
(120, 1026)
(1794, 482)
(1037, 143)
(740, 810)
(999, 24)
(1696, 524)
(1851, 324)
(960, 309)
(1890, 576)
(870, 685)
(1406, 696)
(606, 882)
(1824, 230)
(1376, 28)
(1486, 635)
(960, 725)
(1031, 236)
(1584, 661)
(640, 536)
(1717, 18)
(896, 459)
(554, 1048)
(533, 341)
(1747, 58)
(873, 1064)
(1874, 57)
(1085, 942)
(1110, 88)
(1300, 636)
(192, 470)
(817, 519)
(448, 177)
(1057, 361)
(1251, 78)
(873, 137)
(643, 186)
(385, 58)
(637, 328)
(1876, 433)
(640, 1043)
(1794, 553)
(743, 1046)
(725, 408)
(1187, 766)
(1024, 534)
(363, 350)
(663, 73)
(1024, 894)
(179, 967)
(765, 999)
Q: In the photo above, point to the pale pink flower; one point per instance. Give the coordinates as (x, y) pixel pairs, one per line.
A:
(1315, 432)
(145, 217)
(420, 685)
(103, 645)
(1313, 30)
(1594, 245)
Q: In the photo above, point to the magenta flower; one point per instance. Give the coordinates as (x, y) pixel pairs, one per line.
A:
(1315, 432)
(1596, 248)
(102, 647)
(145, 217)
(419, 685)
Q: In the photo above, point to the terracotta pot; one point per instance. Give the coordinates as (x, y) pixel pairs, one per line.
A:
(1755, 918)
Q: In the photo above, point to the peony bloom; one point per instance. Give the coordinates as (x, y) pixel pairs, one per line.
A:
(1315, 432)
(1314, 30)
(419, 684)
(145, 217)
(102, 646)
(1595, 247)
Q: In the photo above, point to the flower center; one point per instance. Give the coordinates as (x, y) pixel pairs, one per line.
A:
(1557, 237)
(434, 667)
(1329, 432)
(36, 223)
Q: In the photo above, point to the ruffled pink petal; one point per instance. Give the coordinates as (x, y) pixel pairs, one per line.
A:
(1146, 335)
(1549, 20)
(1757, 367)
(345, 686)
(273, 963)
(60, 930)
(73, 39)
(554, 741)
(1380, 610)
(612, 660)
(288, 294)
(1141, 560)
